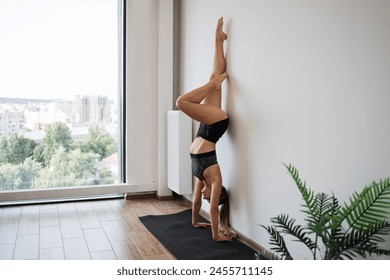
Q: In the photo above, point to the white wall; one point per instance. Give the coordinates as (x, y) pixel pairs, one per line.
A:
(309, 84)
(141, 95)
(149, 94)
(165, 87)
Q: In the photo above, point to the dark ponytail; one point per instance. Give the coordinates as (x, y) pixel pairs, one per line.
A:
(224, 213)
(224, 198)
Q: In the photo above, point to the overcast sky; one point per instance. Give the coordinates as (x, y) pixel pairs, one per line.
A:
(58, 48)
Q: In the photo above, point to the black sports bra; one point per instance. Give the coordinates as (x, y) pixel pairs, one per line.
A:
(212, 132)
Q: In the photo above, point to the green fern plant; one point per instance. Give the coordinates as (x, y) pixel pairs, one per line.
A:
(333, 231)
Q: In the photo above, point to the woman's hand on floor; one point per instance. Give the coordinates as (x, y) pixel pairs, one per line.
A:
(222, 238)
(202, 225)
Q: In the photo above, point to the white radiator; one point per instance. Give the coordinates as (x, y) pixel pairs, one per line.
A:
(179, 161)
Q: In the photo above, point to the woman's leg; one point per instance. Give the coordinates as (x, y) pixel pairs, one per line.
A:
(190, 103)
(219, 65)
(204, 103)
(219, 55)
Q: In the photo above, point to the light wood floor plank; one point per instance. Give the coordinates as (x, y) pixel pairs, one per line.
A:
(131, 222)
(52, 254)
(89, 219)
(27, 247)
(84, 206)
(126, 250)
(50, 237)
(28, 224)
(97, 240)
(146, 244)
(49, 217)
(10, 215)
(30, 210)
(7, 251)
(104, 211)
(115, 231)
(76, 249)
(104, 255)
(70, 224)
(8, 233)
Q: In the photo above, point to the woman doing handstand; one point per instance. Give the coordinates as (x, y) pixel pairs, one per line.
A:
(203, 104)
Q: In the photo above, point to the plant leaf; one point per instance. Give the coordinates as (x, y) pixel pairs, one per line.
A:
(307, 194)
(370, 206)
(287, 225)
(278, 241)
(365, 241)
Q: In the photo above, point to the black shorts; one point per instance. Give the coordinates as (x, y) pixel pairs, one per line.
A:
(202, 161)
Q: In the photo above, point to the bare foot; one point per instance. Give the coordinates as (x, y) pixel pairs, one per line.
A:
(217, 80)
(219, 34)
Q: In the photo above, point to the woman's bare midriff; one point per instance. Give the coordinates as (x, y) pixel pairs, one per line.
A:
(200, 146)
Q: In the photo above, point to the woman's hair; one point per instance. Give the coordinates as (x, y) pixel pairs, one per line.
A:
(224, 213)
(223, 199)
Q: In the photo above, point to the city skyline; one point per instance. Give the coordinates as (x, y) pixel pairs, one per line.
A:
(23, 115)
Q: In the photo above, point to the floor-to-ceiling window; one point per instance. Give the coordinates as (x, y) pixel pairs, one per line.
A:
(61, 101)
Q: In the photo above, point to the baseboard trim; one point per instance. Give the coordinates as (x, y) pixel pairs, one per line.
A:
(139, 195)
(145, 195)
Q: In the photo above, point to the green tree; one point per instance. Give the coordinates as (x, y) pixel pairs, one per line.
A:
(57, 134)
(28, 171)
(16, 149)
(57, 162)
(18, 176)
(82, 165)
(38, 154)
(4, 151)
(9, 177)
(20, 148)
(73, 168)
(98, 142)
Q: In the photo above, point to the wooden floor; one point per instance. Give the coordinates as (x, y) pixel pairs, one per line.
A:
(103, 229)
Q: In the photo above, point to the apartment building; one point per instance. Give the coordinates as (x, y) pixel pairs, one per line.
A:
(91, 109)
(11, 122)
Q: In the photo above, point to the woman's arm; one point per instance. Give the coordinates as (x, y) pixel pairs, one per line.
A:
(197, 204)
(214, 215)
